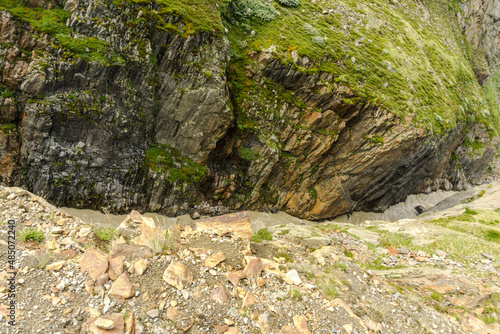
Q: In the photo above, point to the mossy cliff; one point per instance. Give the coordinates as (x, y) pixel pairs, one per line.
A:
(315, 107)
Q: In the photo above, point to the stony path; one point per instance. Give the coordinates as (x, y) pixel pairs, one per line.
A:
(209, 277)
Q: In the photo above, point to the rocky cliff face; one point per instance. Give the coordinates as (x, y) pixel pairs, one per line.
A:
(317, 109)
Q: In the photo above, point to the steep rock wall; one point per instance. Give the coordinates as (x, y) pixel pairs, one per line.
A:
(139, 105)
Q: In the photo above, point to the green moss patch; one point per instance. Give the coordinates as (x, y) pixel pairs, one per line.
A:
(196, 15)
(165, 159)
(53, 22)
(408, 58)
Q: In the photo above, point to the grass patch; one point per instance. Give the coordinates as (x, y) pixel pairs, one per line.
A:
(470, 212)
(105, 234)
(53, 22)
(31, 234)
(8, 128)
(329, 289)
(386, 54)
(296, 294)
(166, 159)
(39, 259)
(261, 235)
(284, 255)
(162, 245)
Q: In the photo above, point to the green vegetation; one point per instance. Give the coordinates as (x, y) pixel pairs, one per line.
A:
(197, 15)
(289, 3)
(296, 294)
(284, 255)
(463, 237)
(470, 212)
(312, 192)
(8, 128)
(329, 289)
(247, 154)
(31, 234)
(379, 52)
(39, 259)
(53, 22)
(349, 254)
(261, 235)
(105, 234)
(166, 159)
(436, 296)
(161, 245)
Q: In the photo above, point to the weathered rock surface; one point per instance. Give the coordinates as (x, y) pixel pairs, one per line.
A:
(151, 124)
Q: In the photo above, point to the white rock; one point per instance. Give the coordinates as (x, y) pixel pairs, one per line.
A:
(294, 276)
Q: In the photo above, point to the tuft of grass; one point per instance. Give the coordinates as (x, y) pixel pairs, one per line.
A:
(470, 211)
(168, 160)
(436, 296)
(349, 254)
(105, 234)
(31, 234)
(284, 255)
(296, 294)
(161, 245)
(39, 259)
(261, 235)
(329, 289)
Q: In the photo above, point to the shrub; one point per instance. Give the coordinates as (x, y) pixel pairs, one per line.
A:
(318, 40)
(31, 234)
(289, 3)
(247, 154)
(257, 9)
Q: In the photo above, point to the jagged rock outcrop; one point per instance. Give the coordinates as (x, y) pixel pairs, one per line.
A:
(158, 106)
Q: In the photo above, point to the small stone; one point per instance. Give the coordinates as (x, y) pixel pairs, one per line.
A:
(92, 312)
(57, 230)
(89, 287)
(122, 288)
(115, 267)
(300, 322)
(293, 275)
(249, 300)
(254, 267)
(488, 256)
(195, 215)
(94, 262)
(403, 250)
(154, 313)
(177, 274)
(261, 282)
(228, 322)
(392, 250)
(104, 323)
(56, 266)
(348, 328)
(129, 320)
(103, 279)
(219, 295)
(172, 313)
(133, 251)
(441, 253)
(214, 260)
(140, 266)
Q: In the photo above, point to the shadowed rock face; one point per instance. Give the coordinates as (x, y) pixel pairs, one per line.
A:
(155, 130)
